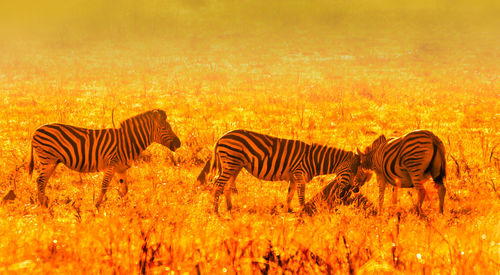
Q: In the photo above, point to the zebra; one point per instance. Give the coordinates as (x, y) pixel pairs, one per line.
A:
(334, 194)
(109, 150)
(407, 161)
(273, 159)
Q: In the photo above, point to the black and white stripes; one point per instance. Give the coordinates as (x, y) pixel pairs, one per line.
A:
(407, 161)
(108, 150)
(274, 159)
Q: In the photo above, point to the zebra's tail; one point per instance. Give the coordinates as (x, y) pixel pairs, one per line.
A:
(214, 166)
(209, 170)
(438, 163)
(32, 163)
(438, 170)
(202, 177)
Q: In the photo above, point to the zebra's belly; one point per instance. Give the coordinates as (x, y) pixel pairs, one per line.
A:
(269, 174)
(401, 179)
(86, 167)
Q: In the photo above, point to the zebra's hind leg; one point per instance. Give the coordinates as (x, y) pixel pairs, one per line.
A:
(232, 180)
(418, 182)
(45, 172)
(108, 175)
(218, 192)
(122, 178)
(220, 183)
(421, 197)
(441, 192)
(227, 193)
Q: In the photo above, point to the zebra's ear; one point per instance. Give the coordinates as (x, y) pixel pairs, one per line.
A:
(359, 153)
(381, 139)
(160, 115)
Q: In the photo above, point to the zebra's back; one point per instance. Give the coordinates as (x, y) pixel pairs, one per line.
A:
(81, 149)
(265, 157)
(402, 156)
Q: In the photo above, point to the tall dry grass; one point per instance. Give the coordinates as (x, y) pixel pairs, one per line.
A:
(333, 74)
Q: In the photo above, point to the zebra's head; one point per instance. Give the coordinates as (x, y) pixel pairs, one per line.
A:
(361, 177)
(162, 132)
(366, 157)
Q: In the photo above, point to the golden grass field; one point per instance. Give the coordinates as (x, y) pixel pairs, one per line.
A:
(332, 73)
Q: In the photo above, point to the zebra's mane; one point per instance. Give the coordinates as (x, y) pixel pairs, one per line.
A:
(145, 115)
(317, 145)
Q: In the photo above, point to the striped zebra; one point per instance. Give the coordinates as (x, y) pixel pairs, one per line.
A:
(108, 150)
(334, 194)
(407, 161)
(273, 159)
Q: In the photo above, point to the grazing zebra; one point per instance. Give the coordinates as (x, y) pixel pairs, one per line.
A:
(108, 150)
(273, 159)
(334, 194)
(407, 161)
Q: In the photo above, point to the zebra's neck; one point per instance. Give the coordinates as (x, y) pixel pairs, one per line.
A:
(377, 159)
(135, 137)
(370, 161)
(324, 160)
(376, 156)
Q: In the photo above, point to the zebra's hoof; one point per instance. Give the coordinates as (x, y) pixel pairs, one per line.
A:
(44, 201)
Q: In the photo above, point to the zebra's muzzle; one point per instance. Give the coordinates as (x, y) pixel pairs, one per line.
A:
(355, 189)
(176, 143)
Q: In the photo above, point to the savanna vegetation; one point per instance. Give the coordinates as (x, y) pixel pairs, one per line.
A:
(331, 72)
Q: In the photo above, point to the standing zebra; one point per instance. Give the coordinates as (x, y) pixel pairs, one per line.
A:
(407, 161)
(274, 159)
(108, 150)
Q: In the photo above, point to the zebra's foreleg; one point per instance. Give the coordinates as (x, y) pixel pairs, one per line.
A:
(122, 178)
(302, 193)
(108, 175)
(381, 189)
(291, 191)
(394, 195)
(298, 178)
(45, 173)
